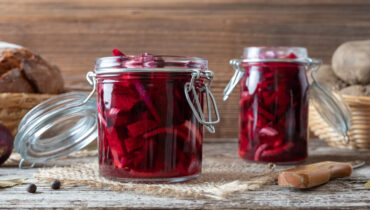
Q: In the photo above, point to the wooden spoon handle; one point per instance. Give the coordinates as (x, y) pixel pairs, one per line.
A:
(314, 174)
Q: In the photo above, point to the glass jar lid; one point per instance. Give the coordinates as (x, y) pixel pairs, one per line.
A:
(264, 53)
(149, 63)
(329, 104)
(57, 127)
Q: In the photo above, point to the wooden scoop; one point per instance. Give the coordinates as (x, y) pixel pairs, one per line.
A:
(316, 174)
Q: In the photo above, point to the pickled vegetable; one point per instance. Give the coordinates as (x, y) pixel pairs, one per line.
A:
(147, 129)
(273, 111)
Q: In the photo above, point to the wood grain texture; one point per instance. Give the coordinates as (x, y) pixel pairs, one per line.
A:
(344, 193)
(72, 34)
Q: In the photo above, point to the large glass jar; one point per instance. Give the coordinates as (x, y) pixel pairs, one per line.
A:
(149, 127)
(273, 103)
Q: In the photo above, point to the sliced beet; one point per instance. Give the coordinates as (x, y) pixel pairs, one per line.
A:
(268, 131)
(243, 144)
(163, 105)
(259, 151)
(146, 157)
(115, 118)
(148, 101)
(140, 127)
(245, 99)
(265, 114)
(275, 152)
(133, 143)
(101, 117)
(102, 120)
(125, 103)
(193, 130)
(173, 131)
(115, 145)
(124, 97)
(194, 166)
(291, 56)
(116, 52)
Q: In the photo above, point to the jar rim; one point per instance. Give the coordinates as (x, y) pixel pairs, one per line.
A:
(274, 52)
(276, 47)
(146, 61)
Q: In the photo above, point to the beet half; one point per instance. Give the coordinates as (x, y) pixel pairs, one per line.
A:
(6, 143)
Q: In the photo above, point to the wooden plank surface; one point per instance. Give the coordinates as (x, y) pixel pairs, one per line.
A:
(345, 193)
(72, 34)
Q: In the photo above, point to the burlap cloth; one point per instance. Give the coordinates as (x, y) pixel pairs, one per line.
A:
(219, 179)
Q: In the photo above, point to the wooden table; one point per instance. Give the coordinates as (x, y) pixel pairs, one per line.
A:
(346, 193)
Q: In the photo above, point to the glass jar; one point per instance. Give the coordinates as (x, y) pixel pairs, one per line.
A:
(147, 129)
(274, 96)
(149, 117)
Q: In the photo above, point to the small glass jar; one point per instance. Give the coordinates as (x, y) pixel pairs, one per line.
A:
(149, 117)
(274, 96)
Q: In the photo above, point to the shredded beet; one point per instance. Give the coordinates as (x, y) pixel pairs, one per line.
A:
(141, 127)
(116, 52)
(147, 129)
(273, 114)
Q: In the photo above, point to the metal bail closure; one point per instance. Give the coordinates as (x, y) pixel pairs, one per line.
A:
(57, 127)
(238, 75)
(197, 110)
(329, 104)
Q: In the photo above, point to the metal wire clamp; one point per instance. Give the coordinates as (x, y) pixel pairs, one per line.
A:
(198, 109)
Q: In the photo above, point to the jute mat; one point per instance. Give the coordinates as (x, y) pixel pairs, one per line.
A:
(217, 181)
(220, 178)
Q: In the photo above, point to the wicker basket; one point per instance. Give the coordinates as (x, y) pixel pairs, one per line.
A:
(359, 133)
(13, 106)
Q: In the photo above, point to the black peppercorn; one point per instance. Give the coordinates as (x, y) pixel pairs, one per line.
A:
(55, 184)
(31, 188)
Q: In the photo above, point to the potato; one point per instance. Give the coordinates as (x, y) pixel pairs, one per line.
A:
(351, 62)
(326, 77)
(356, 90)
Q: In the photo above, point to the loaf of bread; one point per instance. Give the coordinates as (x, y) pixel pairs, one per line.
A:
(22, 71)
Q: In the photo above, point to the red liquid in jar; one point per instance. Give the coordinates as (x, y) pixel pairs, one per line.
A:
(146, 127)
(273, 112)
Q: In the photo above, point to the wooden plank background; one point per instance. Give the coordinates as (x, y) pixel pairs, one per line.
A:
(72, 34)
